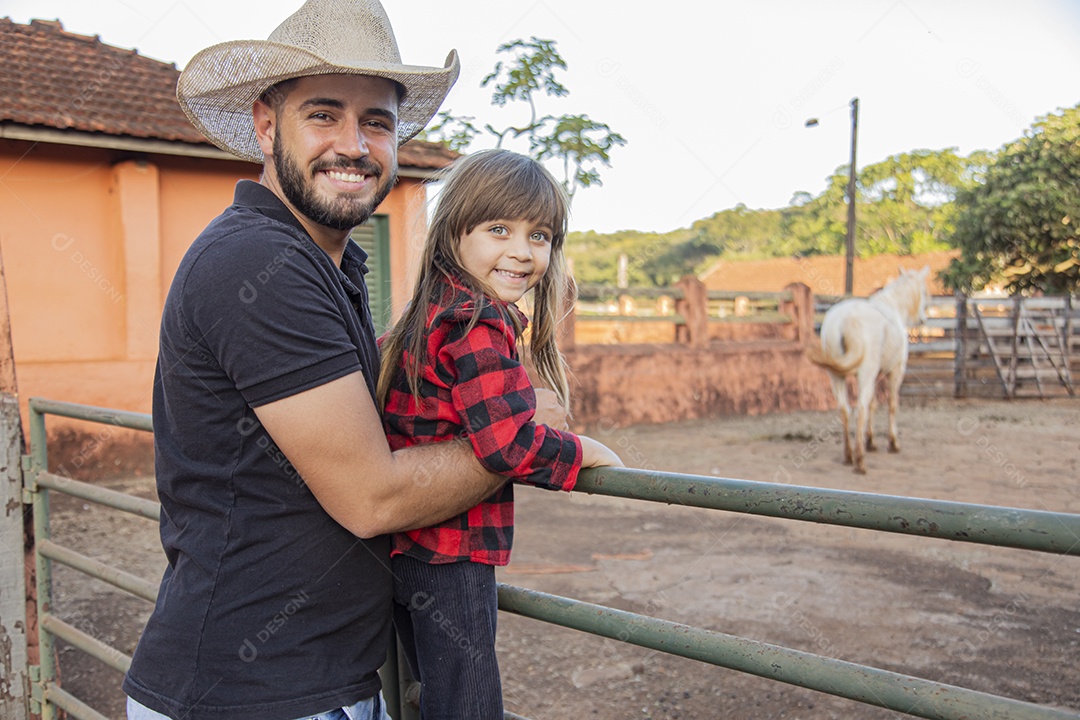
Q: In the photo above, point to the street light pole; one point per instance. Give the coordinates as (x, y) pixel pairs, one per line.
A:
(849, 244)
(849, 249)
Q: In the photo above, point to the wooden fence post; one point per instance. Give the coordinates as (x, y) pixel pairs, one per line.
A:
(801, 310)
(1066, 336)
(693, 306)
(960, 354)
(1014, 357)
(15, 694)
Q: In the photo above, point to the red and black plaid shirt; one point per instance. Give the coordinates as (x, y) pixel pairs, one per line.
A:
(472, 385)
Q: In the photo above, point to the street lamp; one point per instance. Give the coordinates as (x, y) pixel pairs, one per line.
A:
(849, 246)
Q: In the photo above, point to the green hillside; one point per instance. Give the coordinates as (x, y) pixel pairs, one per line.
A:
(905, 205)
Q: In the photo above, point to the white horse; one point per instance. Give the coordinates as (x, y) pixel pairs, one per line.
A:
(868, 337)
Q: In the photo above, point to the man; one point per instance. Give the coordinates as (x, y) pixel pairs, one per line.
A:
(276, 483)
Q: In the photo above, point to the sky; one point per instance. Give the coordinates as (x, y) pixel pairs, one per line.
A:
(712, 97)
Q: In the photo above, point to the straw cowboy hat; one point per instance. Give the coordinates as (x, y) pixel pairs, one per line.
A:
(351, 37)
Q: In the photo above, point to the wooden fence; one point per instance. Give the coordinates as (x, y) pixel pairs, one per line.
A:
(686, 313)
(969, 347)
(996, 347)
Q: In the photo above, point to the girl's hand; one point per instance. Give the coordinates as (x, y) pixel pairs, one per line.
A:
(596, 454)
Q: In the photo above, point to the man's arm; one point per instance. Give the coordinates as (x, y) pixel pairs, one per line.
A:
(334, 438)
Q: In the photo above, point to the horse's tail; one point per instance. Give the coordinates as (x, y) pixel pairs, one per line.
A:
(853, 346)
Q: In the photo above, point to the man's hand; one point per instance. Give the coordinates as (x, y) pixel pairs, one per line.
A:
(548, 410)
(334, 437)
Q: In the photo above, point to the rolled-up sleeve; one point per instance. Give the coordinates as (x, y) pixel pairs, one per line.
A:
(496, 402)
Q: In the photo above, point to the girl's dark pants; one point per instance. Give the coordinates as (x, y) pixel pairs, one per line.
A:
(445, 616)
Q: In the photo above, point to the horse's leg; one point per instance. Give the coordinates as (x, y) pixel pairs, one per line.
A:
(896, 378)
(870, 446)
(867, 377)
(839, 388)
(858, 455)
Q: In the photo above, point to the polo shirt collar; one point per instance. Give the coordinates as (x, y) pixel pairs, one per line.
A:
(262, 199)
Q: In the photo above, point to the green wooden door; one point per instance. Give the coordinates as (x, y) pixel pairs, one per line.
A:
(374, 237)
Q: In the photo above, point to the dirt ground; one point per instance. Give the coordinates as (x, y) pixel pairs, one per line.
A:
(992, 619)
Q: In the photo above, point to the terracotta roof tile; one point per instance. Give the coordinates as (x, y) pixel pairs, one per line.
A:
(824, 274)
(426, 155)
(57, 79)
(66, 81)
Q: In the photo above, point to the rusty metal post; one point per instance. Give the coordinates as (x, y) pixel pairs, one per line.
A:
(14, 628)
(44, 673)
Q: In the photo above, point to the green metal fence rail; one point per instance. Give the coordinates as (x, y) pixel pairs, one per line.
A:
(989, 525)
(914, 696)
(1007, 527)
(46, 694)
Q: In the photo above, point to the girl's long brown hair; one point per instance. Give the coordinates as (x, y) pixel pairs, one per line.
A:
(482, 187)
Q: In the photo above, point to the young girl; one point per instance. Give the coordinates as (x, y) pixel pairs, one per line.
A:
(450, 369)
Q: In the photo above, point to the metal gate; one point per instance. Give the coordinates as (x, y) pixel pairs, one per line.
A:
(1017, 347)
(1030, 347)
(1005, 527)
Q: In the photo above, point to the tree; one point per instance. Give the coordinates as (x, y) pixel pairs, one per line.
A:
(737, 233)
(653, 257)
(904, 206)
(577, 142)
(816, 225)
(907, 206)
(1018, 225)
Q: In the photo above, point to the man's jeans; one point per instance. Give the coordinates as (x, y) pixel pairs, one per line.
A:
(370, 709)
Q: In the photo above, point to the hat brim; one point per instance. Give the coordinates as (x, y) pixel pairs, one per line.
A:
(218, 87)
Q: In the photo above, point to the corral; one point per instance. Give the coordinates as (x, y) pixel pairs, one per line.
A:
(993, 619)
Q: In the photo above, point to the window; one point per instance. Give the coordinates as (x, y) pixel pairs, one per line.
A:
(374, 237)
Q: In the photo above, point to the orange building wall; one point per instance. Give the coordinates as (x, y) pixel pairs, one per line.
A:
(90, 240)
(65, 278)
(408, 227)
(193, 192)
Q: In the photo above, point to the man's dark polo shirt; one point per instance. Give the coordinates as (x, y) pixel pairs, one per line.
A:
(268, 608)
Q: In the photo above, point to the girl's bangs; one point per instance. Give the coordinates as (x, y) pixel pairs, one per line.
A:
(522, 193)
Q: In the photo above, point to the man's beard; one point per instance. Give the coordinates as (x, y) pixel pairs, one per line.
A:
(340, 213)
